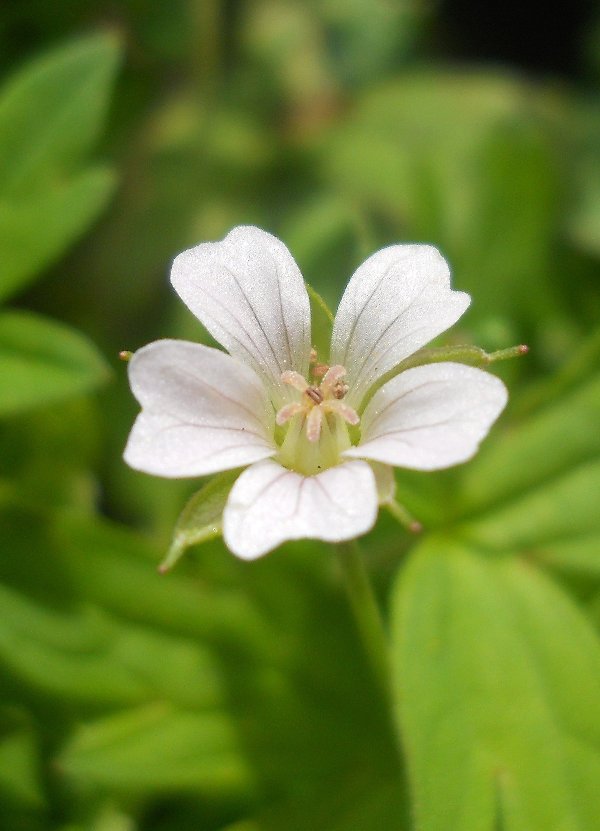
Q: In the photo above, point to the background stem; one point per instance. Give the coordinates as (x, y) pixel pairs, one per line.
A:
(366, 612)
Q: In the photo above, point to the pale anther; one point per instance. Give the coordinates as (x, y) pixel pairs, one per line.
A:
(340, 390)
(319, 370)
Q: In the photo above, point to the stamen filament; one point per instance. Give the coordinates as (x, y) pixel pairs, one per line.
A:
(313, 424)
(317, 402)
(294, 379)
(288, 411)
(346, 412)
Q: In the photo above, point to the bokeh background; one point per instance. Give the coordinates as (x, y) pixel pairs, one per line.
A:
(237, 696)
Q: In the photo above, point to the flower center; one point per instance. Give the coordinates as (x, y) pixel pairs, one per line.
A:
(318, 432)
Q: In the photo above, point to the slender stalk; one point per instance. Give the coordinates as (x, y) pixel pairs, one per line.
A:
(366, 613)
(405, 519)
(466, 354)
(206, 45)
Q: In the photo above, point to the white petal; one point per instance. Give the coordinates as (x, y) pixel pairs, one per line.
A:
(395, 303)
(430, 417)
(202, 411)
(248, 292)
(270, 504)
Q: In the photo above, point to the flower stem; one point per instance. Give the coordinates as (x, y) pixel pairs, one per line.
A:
(206, 43)
(405, 519)
(366, 613)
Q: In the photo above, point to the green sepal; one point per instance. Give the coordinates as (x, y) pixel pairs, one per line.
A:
(201, 519)
(464, 354)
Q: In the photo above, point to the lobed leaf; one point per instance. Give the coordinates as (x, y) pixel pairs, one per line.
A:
(498, 680)
(52, 111)
(35, 230)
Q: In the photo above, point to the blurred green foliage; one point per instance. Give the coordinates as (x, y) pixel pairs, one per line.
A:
(229, 696)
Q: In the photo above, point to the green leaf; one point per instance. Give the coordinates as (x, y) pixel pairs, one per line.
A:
(159, 749)
(106, 817)
(52, 111)
(498, 679)
(580, 555)
(451, 157)
(535, 490)
(19, 777)
(50, 115)
(564, 507)
(498, 674)
(201, 519)
(48, 453)
(351, 802)
(88, 657)
(584, 215)
(371, 40)
(34, 231)
(118, 574)
(42, 361)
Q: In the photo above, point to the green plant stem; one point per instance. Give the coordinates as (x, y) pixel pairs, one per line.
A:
(402, 516)
(366, 613)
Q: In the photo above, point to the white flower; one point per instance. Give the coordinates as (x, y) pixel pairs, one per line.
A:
(317, 441)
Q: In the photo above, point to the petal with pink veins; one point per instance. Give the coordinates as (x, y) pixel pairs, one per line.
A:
(270, 504)
(202, 411)
(249, 293)
(430, 417)
(395, 303)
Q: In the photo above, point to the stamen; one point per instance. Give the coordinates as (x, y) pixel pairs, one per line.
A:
(313, 424)
(343, 410)
(340, 390)
(320, 370)
(288, 411)
(317, 401)
(332, 377)
(294, 379)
